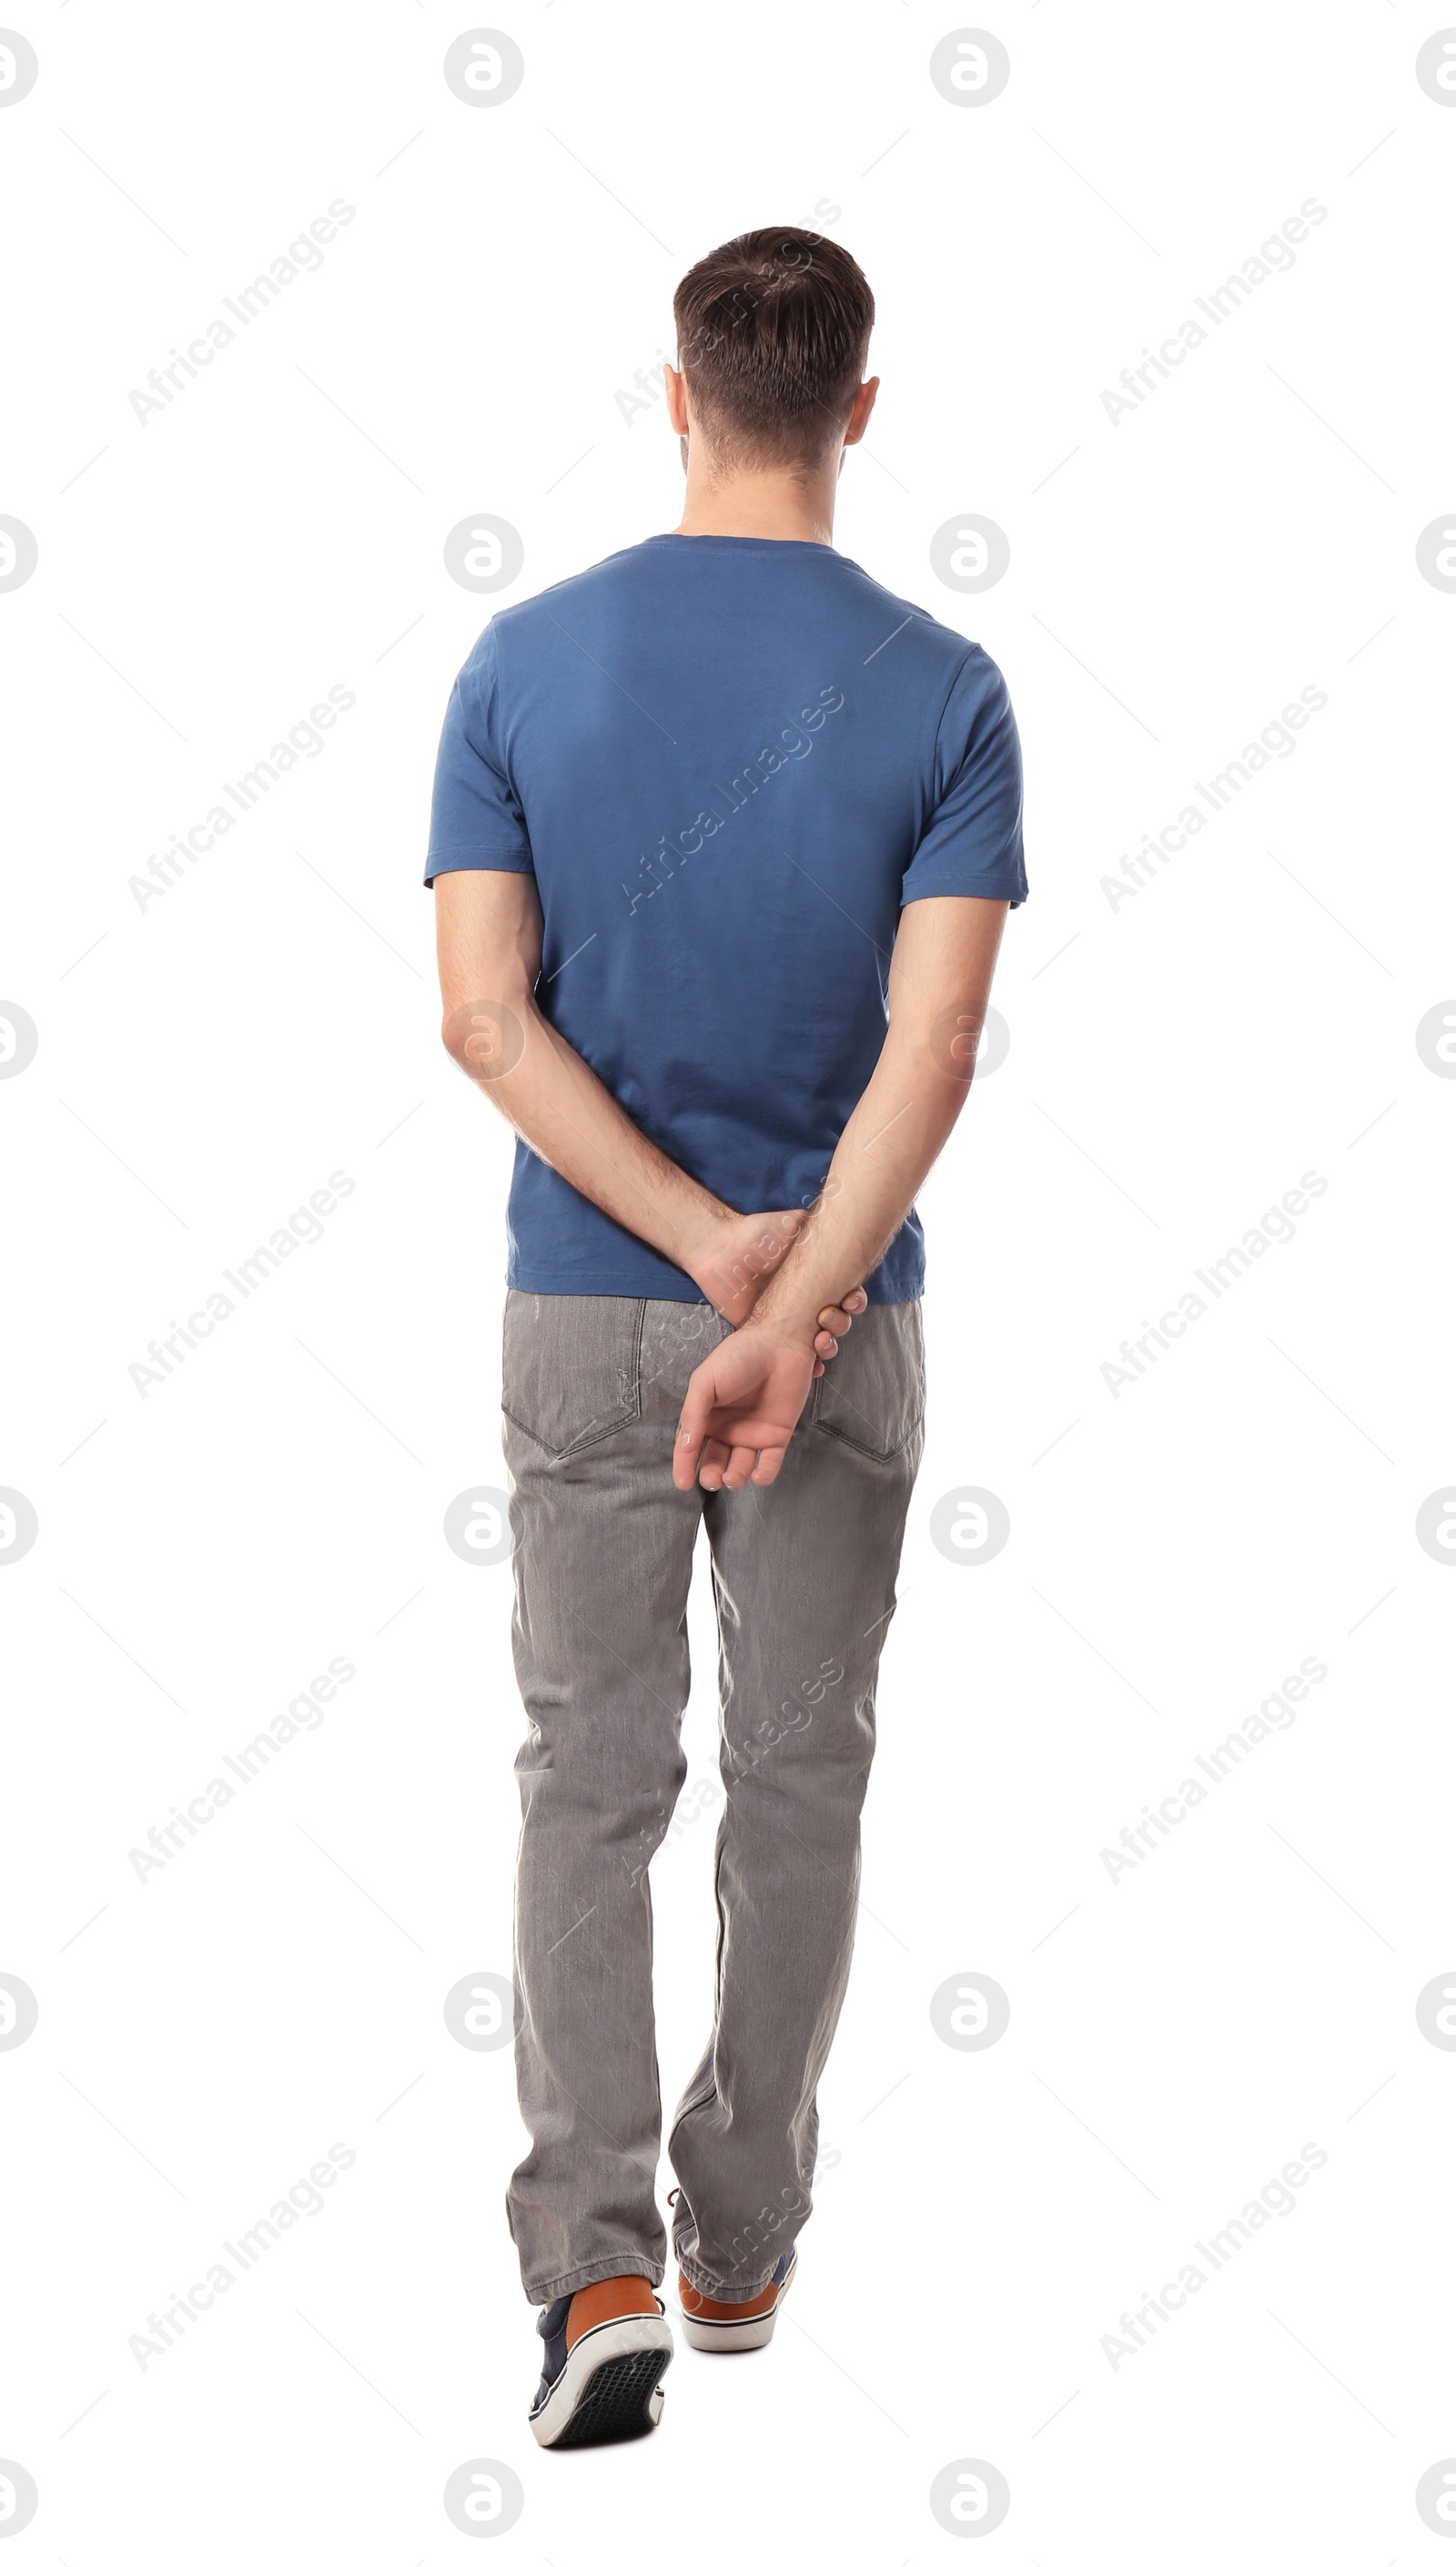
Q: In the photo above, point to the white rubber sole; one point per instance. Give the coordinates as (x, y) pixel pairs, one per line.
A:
(610, 2387)
(736, 2335)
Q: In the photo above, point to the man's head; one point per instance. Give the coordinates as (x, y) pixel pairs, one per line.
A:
(773, 331)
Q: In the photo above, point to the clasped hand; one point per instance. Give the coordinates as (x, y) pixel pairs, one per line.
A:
(745, 1398)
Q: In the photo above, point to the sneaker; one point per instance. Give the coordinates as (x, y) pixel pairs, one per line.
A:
(607, 2348)
(736, 2325)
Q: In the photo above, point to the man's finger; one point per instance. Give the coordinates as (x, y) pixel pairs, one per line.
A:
(714, 1459)
(766, 1467)
(740, 1465)
(685, 1461)
(692, 1426)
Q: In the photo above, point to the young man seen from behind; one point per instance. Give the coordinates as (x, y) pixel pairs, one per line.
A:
(723, 840)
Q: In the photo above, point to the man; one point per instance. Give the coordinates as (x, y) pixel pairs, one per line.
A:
(722, 845)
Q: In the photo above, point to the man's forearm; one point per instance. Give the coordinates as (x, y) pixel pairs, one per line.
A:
(940, 984)
(570, 1119)
(886, 1149)
(489, 933)
(564, 1113)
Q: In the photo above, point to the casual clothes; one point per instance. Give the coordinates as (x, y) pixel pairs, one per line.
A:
(729, 763)
(804, 1580)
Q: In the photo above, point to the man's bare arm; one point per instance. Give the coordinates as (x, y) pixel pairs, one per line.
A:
(488, 939)
(745, 1400)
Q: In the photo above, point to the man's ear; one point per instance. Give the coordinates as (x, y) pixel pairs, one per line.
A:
(675, 386)
(858, 419)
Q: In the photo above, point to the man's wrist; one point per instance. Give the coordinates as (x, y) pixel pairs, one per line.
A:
(789, 1316)
(733, 1254)
(699, 1234)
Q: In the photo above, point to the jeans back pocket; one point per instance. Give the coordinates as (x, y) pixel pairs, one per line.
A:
(871, 1394)
(570, 1370)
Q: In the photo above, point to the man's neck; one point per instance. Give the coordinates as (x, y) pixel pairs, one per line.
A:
(777, 507)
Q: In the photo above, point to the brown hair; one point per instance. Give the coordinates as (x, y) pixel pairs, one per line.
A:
(773, 331)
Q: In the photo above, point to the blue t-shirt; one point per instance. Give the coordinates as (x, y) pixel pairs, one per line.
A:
(729, 762)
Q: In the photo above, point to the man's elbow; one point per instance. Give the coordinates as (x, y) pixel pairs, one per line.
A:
(486, 1038)
(939, 1046)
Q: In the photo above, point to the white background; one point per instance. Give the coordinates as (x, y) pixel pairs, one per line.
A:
(1176, 1063)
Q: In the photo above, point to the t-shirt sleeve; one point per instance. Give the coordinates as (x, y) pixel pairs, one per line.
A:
(971, 842)
(476, 820)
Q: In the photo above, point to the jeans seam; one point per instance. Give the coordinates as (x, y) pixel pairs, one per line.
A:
(871, 1452)
(581, 1444)
(636, 1358)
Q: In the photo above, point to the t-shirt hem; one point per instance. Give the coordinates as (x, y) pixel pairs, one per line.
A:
(552, 1285)
(483, 860)
(954, 886)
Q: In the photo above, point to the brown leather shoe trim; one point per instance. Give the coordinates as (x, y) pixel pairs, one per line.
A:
(626, 2295)
(695, 2306)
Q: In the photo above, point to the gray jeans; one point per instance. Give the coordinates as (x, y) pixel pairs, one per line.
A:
(804, 1582)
